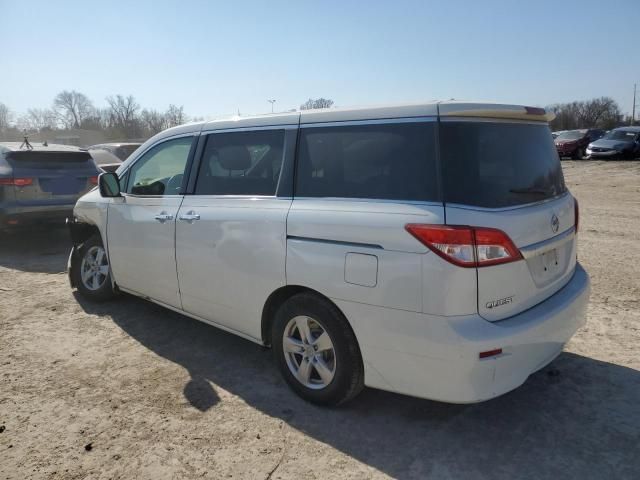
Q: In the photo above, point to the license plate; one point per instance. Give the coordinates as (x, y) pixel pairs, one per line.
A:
(550, 261)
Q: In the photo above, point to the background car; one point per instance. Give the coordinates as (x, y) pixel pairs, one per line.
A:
(42, 183)
(555, 134)
(621, 142)
(109, 156)
(573, 143)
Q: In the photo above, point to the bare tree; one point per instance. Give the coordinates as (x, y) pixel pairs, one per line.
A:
(39, 118)
(316, 103)
(601, 112)
(72, 108)
(123, 114)
(175, 116)
(5, 117)
(153, 121)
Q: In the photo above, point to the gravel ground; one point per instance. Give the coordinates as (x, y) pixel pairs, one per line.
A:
(130, 390)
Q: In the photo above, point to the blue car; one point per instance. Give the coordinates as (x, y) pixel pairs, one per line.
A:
(41, 183)
(619, 143)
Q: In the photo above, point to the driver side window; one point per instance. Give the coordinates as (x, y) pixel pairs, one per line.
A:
(160, 170)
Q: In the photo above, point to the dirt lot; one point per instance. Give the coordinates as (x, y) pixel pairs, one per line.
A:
(130, 390)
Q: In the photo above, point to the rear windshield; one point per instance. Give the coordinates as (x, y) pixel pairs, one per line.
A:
(571, 135)
(497, 165)
(123, 151)
(49, 157)
(624, 135)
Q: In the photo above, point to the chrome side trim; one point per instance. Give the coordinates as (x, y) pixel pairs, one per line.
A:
(372, 200)
(554, 242)
(335, 242)
(503, 209)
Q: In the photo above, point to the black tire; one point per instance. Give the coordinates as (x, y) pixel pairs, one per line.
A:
(578, 154)
(348, 379)
(105, 291)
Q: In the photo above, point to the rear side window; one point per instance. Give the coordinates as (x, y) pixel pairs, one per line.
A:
(381, 161)
(241, 163)
(499, 164)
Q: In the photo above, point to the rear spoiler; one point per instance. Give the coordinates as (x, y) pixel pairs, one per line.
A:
(498, 111)
(44, 156)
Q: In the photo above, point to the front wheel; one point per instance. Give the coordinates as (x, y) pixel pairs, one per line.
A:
(316, 350)
(90, 270)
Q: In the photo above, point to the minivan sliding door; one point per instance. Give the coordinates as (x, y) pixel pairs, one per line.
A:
(230, 234)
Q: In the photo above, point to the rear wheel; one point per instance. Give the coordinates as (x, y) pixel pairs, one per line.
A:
(316, 350)
(91, 271)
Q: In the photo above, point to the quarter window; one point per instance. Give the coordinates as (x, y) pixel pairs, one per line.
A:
(241, 163)
(385, 161)
(160, 171)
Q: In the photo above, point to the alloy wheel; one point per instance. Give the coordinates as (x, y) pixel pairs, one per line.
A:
(309, 352)
(94, 268)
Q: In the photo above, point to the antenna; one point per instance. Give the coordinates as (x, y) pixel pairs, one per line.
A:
(633, 110)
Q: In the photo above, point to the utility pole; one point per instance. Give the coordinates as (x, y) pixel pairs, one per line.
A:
(272, 101)
(633, 110)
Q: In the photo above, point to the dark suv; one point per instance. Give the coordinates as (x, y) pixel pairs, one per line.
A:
(42, 183)
(573, 143)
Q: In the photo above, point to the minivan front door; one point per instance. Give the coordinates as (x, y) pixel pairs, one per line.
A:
(141, 225)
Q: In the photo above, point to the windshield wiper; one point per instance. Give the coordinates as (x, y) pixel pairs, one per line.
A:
(534, 191)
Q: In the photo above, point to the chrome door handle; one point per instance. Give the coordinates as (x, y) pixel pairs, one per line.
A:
(163, 217)
(190, 216)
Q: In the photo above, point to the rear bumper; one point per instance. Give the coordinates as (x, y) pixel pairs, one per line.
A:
(438, 357)
(19, 215)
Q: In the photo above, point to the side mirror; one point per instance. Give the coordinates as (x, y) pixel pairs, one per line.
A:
(109, 185)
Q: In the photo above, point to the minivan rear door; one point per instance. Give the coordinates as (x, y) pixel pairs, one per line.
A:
(506, 174)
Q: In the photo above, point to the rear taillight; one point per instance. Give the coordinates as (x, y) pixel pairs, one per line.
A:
(576, 214)
(93, 180)
(17, 182)
(466, 246)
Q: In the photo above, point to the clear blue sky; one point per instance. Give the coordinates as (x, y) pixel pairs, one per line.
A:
(217, 57)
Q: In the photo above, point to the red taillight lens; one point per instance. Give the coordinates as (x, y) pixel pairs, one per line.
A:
(466, 246)
(576, 214)
(453, 243)
(93, 180)
(490, 353)
(18, 182)
(535, 110)
(494, 246)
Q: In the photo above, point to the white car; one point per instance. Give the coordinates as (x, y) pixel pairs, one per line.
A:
(423, 249)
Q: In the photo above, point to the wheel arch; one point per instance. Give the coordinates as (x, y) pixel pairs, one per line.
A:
(81, 231)
(277, 299)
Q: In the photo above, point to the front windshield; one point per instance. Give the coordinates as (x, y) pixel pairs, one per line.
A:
(571, 135)
(623, 135)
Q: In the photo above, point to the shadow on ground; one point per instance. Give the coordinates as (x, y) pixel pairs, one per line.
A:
(42, 249)
(579, 418)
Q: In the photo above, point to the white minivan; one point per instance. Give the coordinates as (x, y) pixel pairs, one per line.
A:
(425, 249)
